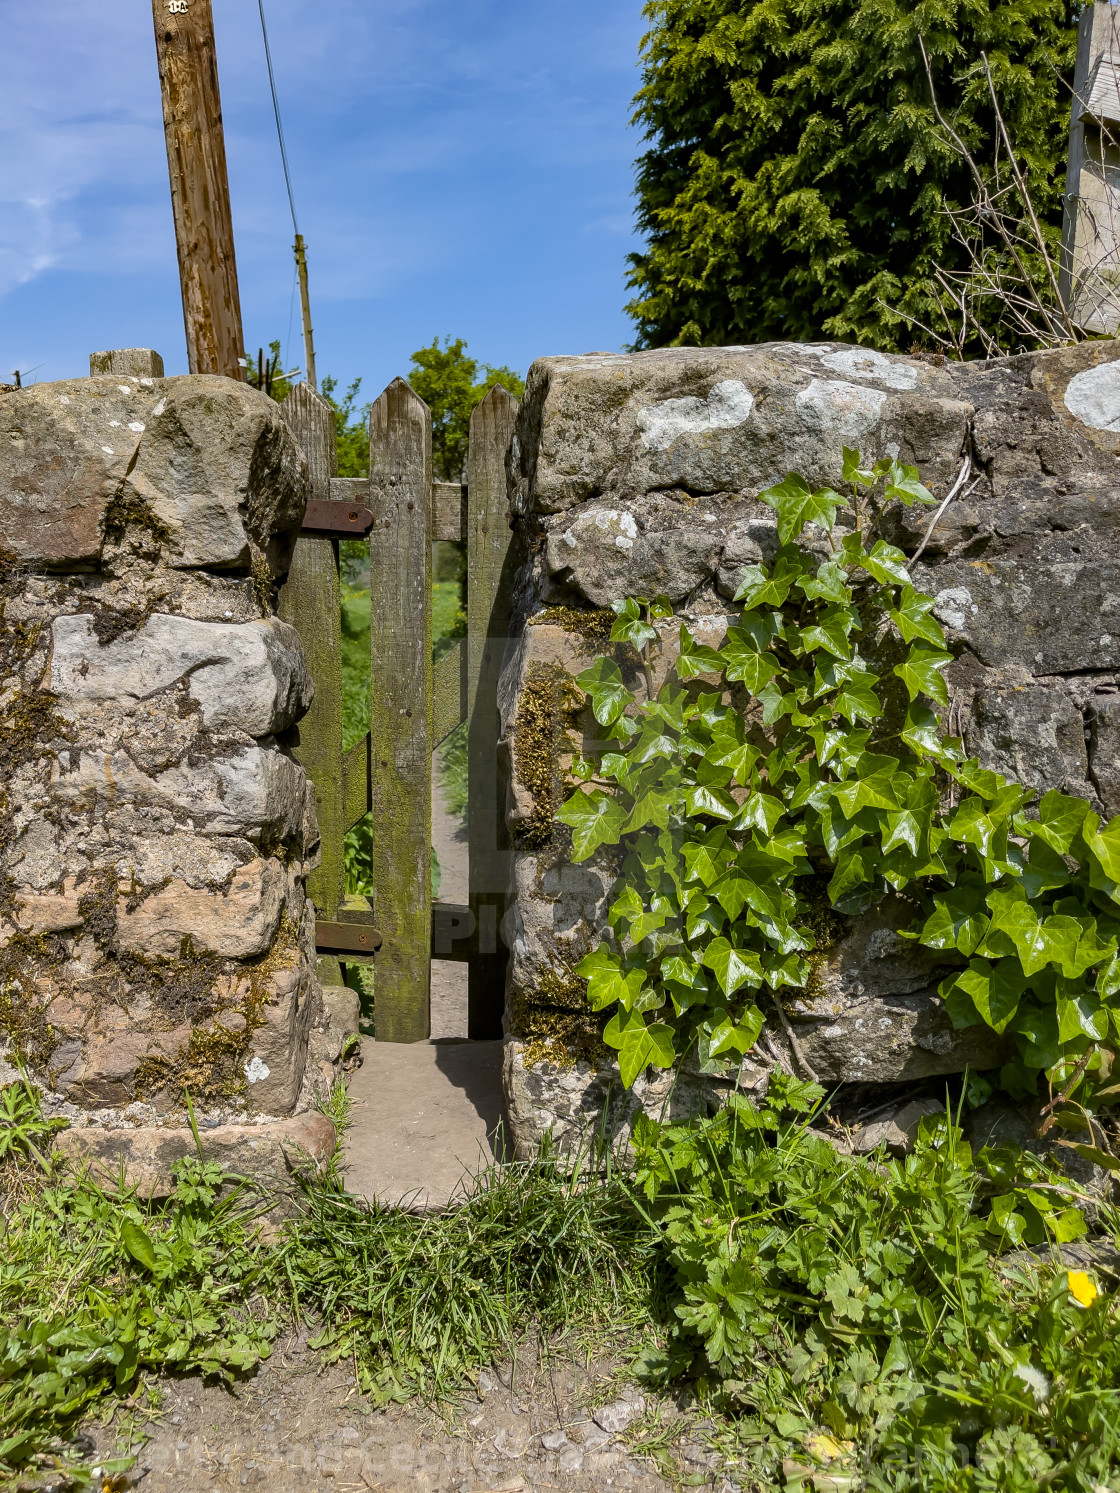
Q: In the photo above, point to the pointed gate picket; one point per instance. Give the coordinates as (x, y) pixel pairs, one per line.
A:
(413, 706)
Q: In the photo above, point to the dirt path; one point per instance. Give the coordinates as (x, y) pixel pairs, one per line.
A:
(297, 1427)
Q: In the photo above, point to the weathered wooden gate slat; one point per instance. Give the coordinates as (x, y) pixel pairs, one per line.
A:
(448, 502)
(414, 706)
(490, 563)
(400, 707)
(310, 601)
(449, 701)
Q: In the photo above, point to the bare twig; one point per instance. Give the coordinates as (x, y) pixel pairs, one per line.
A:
(962, 477)
(1009, 284)
(795, 1046)
(1025, 197)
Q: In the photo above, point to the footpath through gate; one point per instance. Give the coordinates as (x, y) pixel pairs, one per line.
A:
(398, 511)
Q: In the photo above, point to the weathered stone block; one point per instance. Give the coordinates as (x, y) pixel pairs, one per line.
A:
(244, 676)
(580, 1101)
(723, 419)
(206, 463)
(1035, 735)
(265, 1153)
(278, 1056)
(256, 791)
(239, 923)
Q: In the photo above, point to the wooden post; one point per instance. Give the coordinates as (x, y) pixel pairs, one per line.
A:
(1090, 273)
(310, 601)
(400, 472)
(300, 251)
(196, 161)
(490, 564)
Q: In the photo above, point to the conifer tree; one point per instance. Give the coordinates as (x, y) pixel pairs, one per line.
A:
(794, 180)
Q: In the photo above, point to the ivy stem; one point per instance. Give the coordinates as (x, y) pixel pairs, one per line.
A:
(795, 1046)
(643, 655)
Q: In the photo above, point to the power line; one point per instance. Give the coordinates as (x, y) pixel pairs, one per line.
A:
(276, 112)
(298, 247)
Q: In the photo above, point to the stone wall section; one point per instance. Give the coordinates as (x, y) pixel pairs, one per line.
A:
(155, 831)
(639, 474)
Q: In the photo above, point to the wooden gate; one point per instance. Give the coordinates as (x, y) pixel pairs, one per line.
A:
(399, 510)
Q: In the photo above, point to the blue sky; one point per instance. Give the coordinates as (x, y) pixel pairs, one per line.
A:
(459, 166)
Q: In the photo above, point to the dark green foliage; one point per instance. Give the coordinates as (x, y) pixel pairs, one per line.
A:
(794, 178)
(854, 1316)
(730, 831)
(449, 383)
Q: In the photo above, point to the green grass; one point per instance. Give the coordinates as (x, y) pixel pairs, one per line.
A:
(420, 1302)
(99, 1291)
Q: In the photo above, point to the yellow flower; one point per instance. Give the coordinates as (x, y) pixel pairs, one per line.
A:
(1081, 1288)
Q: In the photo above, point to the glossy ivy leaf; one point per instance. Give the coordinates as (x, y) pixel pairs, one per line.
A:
(914, 618)
(829, 630)
(853, 472)
(1060, 820)
(745, 664)
(761, 812)
(994, 989)
(856, 699)
(639, 1046)
(920, 672)
(882, 561)
(696, 658)
(796, 505)
(1081, 1015)
(714, 802)
(959, 921)
(920, 734)
(608, 981)
(629, 625)
(595, 819)
(768, 586)
(828, 584)
(903, 483)
(733, 967)
(604, 684)
(725, 1033)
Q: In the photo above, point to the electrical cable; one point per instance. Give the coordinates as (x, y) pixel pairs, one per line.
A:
(276, 112)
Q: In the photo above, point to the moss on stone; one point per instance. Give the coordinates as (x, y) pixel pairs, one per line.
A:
(594, 625)
(554, 1021)
(23, 1015)
(128, 513)
(546, 712)
(260, 572)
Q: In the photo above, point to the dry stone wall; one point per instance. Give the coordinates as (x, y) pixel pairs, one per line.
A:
(155, 831)
(639, 474)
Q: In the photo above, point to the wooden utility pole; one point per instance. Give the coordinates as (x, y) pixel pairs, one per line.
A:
(196, 161)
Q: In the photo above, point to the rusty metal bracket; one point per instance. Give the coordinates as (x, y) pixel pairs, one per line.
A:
(329, 516)
(343, 938)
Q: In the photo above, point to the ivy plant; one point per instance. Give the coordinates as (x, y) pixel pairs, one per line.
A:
(800, 768)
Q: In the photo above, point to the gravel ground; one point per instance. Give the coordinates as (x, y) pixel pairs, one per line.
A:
(300, 1427)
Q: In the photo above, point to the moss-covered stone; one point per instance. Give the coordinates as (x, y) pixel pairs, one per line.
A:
(546, 711)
